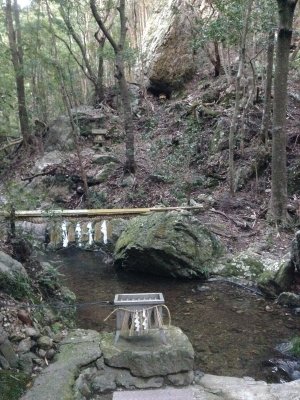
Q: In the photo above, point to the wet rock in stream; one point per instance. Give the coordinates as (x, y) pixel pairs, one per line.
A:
(281, 370)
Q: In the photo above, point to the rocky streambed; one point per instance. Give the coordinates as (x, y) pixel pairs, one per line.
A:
(233, 329)
(89, 365)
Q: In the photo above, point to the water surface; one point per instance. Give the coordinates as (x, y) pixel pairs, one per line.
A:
(233, 331)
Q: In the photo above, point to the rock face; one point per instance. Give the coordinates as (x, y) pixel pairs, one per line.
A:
(283, 278)
(49, 160)
(11, 267)
(146, 356)
(295, 252)
(167, 45)
(289, 299)
(59, 136)
(244, 265)
(172, 244)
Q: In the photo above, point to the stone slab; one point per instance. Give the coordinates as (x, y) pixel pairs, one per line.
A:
(157, 394)
(78, 349)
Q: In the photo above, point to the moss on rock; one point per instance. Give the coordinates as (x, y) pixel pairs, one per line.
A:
(12, 384)
(170, 244)
(244, 265)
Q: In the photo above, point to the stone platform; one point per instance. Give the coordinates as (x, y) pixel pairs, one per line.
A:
(147, 356)
(159, 394)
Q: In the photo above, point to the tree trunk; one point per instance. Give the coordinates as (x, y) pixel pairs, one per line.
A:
(129, 166)
(217, 64)
(278, 209)
(266, 119)
(95, 77)
(234, 121)
(99, 85)
(15, 44)
(66, 100)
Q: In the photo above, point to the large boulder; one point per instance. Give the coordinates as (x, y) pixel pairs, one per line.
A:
(49, 160)
(168, 59)
(10, 267)
(168, 244)
(282, 279)
(295, 252)
(60, 135)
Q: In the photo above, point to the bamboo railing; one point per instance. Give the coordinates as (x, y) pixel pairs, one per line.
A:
(60, 213)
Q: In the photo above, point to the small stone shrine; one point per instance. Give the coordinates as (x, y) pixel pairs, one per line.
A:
(143, 344)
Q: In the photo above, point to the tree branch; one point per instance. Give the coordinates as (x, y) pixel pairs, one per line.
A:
(91, 78)
(102, 26)
(79, 43)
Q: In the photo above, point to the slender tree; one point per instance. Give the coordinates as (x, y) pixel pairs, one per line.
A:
(118, 48)
(95, 76)
(16, 49)
(234, 121)
(66, 100)
(266, 119)
(278, 203)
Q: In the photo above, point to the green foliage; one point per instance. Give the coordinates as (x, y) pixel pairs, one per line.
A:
(149, 126)
(225, 23)
(19, 198)
(13, 384)
(17, 285)
(49, 278)
(97, 199)
(296, 346)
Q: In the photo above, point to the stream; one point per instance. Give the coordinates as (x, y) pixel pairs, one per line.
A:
(234, 332)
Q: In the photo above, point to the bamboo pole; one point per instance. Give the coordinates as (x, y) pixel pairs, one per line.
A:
(92, 212)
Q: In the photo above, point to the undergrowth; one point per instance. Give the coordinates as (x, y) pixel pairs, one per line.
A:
(296, 346)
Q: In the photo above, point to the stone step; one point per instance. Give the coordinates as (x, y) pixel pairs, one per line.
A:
(157, 394)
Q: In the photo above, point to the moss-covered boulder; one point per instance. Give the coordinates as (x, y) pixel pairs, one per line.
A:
(167, 244)
(273, 282)
(13, 277)
(246, 265)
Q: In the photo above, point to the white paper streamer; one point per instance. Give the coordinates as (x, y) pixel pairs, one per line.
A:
(104, 231)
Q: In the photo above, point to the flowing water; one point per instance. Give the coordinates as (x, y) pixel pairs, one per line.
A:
(233, 331)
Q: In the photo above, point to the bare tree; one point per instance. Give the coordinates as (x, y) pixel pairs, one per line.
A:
(118, 48)
(266, 119)
(95, 76)
(67, 103)
(235, 120)
(278, 204)
(16, 49)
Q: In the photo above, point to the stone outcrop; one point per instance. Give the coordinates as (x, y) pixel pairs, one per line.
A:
(10, 267)
(289, 299)
(246, 264)
(168, 244)
(295, 252)
(283, 277)
(78, 349)
(168, 59)
(59, 136)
